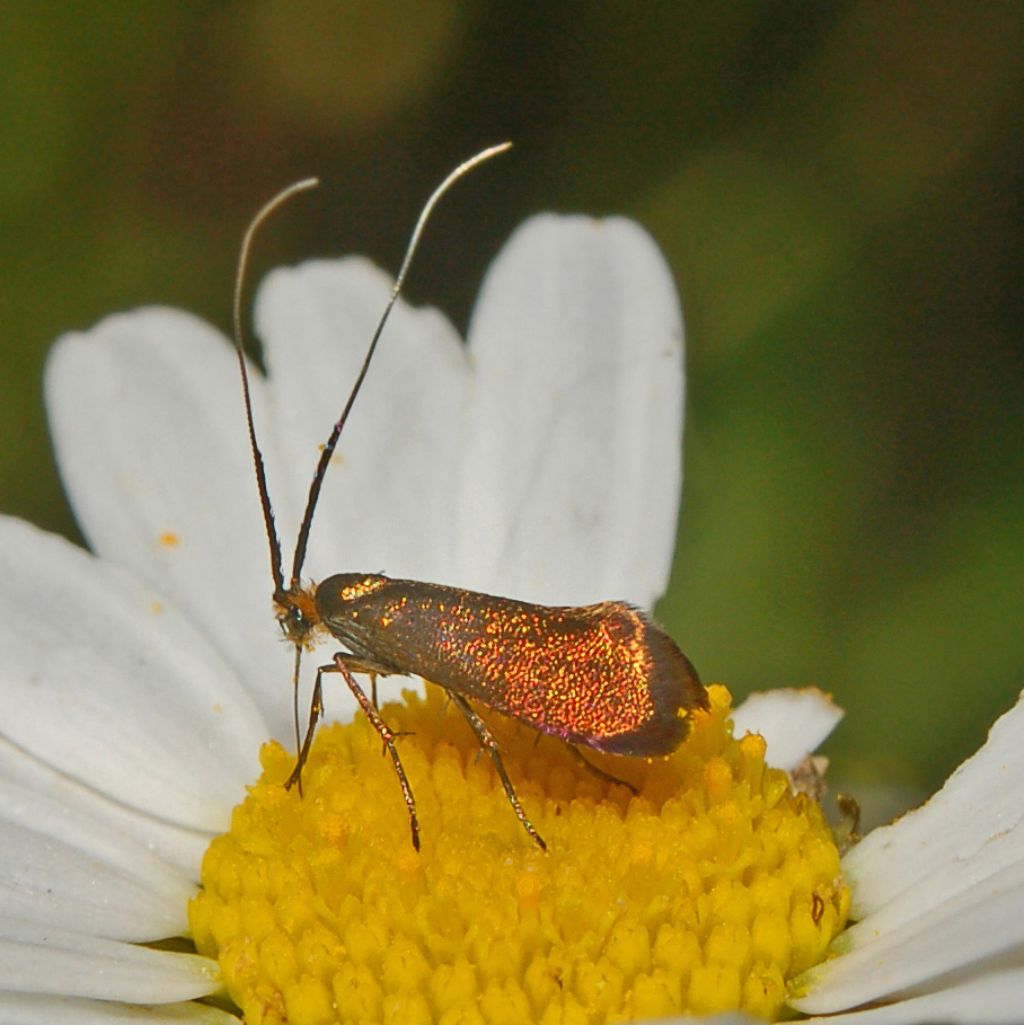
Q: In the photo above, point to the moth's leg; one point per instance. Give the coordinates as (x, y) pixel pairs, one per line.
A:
(316, 708)
(366, 666)
(343, 664)
(490, 745)
(295, 710)
(599, 772)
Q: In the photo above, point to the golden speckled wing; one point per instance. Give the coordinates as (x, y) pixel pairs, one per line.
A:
(602, 675)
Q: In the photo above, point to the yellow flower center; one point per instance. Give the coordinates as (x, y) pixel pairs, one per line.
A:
(710, 889)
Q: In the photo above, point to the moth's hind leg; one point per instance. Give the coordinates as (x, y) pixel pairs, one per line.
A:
(490, 745)
(597, 771)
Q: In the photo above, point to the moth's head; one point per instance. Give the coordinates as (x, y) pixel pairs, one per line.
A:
(296, 611)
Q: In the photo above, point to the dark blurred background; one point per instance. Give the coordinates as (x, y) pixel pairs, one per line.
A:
(838, 187)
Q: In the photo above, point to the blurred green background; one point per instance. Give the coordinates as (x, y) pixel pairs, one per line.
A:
(838, 187)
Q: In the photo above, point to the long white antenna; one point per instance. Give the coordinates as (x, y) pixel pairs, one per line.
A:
(328, 449)
(257, 456)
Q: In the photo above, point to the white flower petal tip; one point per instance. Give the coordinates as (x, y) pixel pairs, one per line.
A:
(150, 440)
(570, 482)
(793, 722)
(406, 431)
(40, 960)
(977, 805)
(939, 895)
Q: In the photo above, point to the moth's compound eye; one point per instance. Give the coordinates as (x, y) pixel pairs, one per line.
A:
(294, 623)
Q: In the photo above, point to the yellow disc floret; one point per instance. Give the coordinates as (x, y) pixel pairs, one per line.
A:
(709, 889)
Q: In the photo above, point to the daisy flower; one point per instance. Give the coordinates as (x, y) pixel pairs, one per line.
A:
(141, 684)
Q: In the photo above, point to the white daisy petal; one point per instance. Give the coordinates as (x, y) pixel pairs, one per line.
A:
(386, 501)
(965, 930)
(40, 960)
(34, 1009)
(570, 484)
(56, 885)
(934, 890)
(149, 433)
(992, 999)
(61, 868)
(945, 885)
(973, 806)
(182, 848)
(131, 701)
(793, 722)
